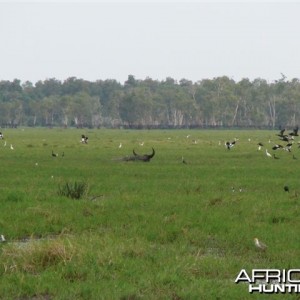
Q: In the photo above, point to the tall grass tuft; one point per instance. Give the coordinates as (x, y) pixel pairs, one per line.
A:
(76, 190)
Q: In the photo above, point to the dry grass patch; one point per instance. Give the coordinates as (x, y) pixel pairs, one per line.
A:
(34, 256)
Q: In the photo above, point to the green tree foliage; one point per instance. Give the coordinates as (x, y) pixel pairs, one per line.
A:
(149, 103)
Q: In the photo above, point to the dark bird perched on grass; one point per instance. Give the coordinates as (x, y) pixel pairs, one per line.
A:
(294, 132)
(281, 133)
(54, 154)
(275, 157)
(259, 146)
(286, 188)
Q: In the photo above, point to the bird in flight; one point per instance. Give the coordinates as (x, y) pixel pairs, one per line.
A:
(229, 145)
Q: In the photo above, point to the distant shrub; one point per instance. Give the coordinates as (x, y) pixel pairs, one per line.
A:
(15, 196)
(74, 190)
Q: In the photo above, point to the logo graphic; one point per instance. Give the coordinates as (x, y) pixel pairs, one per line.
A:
(271, 281)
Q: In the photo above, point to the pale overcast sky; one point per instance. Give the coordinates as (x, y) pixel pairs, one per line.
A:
(111, 39)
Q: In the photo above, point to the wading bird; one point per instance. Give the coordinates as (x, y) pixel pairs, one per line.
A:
(268, 154)
(183, 160)
(260, 245)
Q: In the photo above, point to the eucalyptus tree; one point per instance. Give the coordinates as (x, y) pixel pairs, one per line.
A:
(85, 110)
(136, 107)
(289, 106)
(110, 93)
(47, 88)
(207, 101)
(65, 103)
(33, 112)
(50, 110)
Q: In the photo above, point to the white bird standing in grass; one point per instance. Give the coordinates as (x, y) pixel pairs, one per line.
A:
(268, 154)
(2, 238)
(260, 245)
(11, 147)
(183, 160)
(120, 146)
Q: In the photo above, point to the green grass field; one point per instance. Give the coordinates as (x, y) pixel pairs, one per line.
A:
(157, 230)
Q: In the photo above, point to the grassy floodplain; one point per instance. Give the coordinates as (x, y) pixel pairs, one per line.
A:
(158, 230)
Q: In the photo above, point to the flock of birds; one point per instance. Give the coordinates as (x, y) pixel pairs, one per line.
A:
(289, 139)
(5, 143)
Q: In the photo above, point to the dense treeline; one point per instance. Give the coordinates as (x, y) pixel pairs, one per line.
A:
(218, 102)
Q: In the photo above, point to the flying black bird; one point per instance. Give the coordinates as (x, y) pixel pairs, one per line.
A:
(229, 145)
(275, 147)
(288, 147)
(287, 138)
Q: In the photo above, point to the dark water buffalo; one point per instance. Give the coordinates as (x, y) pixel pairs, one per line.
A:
(138, 157)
